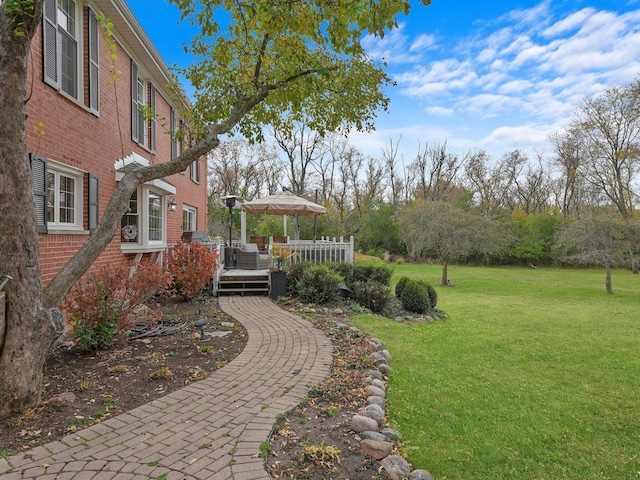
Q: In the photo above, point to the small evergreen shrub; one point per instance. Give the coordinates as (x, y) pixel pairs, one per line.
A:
(345, 270)
(372, 273)
(415, 296)
(400, 286)
(372, 295)
(192, 266)
(318, 284)
(294, 275)
(433, 297)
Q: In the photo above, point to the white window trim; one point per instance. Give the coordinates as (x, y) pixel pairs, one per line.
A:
(79, 176)
(143, 244)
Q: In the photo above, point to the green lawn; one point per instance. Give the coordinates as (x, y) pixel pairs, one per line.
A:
(535, 375)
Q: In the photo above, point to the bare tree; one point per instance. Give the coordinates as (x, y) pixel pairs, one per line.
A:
(570, 155)
(436, 172)
(240, 168)
(397, 183)
(533, 188)
(610, 127)
(493, 187)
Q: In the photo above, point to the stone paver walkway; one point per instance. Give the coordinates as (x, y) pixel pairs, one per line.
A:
(211, 429)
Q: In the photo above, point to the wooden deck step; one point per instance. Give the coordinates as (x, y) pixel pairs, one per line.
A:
(244, 282)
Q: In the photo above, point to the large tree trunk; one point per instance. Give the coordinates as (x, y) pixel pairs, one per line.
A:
(29, 330)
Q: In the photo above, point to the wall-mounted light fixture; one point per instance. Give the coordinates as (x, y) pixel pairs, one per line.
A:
(172, 204)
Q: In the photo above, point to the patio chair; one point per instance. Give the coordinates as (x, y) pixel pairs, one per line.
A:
(260, 241)
(248, 258)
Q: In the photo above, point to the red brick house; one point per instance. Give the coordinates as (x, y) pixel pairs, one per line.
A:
(88, 120)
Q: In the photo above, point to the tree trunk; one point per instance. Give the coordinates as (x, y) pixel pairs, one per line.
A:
(608, 278)
(445, 273)
(29, 330)
(635, 264)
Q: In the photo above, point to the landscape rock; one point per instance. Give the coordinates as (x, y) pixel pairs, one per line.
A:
(338, 311)
(386, 354)
(378, 383)
(375, 408)
(66, 398)
(360, 423)
(385, 369)
(420, 475)
(376, 415)
(371, 435)
(376, 450)
(391, 434)
(375, 391)
(375, 400)
(341, 325)
(376, 343)
(399, 319)
(375, 374)
(227, 324)
(396, 467)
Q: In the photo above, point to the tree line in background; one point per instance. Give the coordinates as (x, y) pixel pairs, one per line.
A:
(579, 206)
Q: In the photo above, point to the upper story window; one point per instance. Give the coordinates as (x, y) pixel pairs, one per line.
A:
(143, 106)
(62, 43)
(69, 42)
(194, 171)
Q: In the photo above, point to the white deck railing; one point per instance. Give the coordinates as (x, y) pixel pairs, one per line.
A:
(324, 250)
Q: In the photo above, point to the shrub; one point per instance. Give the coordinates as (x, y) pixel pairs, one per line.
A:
(433, 296)
(99, 303)
(415, 297)
(345, 270)
(400, 286)
(192, 266)
(372, 295)
(295, 274)
(318, 284)
(96, 333)
(372, 273)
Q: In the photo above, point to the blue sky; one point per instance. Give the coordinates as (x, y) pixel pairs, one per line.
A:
(493, 75)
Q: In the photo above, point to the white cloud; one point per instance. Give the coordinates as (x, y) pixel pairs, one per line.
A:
(440, 111)
(423, 42)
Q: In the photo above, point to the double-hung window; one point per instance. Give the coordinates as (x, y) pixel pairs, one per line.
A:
(62, 44)
(143, 106)
(58, 194)
(194, 171)
(143, 227)
(189, 218)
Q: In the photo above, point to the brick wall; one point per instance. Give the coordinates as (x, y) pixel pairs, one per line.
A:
(64, 130)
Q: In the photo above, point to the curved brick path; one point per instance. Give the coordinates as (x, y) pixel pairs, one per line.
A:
(209, 430)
